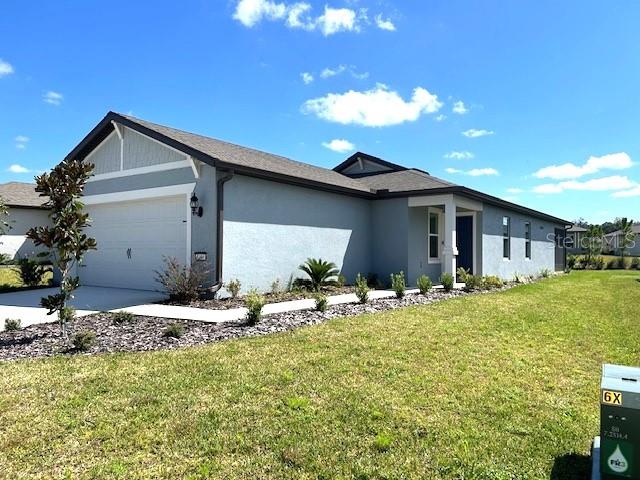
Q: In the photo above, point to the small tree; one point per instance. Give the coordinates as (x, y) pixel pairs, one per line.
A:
(64, 239)
(626, 237)
(4, 213)
(593, 239)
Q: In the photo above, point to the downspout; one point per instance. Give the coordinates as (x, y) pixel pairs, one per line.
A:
(219, 228)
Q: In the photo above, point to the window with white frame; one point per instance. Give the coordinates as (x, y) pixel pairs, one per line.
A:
(527, 240)
(506, 238)
(434, 236)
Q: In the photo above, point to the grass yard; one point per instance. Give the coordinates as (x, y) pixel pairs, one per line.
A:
(10, 279)
(496, 386)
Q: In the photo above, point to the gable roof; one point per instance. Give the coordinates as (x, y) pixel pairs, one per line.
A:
(400, 182)
(19, 194)
(576, 228)
(635, 228)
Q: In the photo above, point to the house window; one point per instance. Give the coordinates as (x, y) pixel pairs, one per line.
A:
(434, 236)
(506, 237)
(527, 240)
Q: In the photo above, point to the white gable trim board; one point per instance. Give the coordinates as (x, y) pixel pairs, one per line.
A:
(135, 230)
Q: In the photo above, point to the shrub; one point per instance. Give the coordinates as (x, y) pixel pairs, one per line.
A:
(596, 263)
(424, 284)
(182, 283)
(473, 282)
(122, 317)
(321, 302)
(32, 272)
(83, 340)
(519, 278)
(571, 261)
(447, 281)
(233, 287)
(320, 272)
(463, 274)
(12, 324)
(635, 263)
(612, 264)
(362, 289)
(545, 273)
(398, 284)
(254, 303)
(173, 330)
(491, 281)
(275, 287)
(342, 281)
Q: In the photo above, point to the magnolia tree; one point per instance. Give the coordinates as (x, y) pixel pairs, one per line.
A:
(64, 239)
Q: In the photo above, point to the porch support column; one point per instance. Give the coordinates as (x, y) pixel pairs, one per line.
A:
(449, 251)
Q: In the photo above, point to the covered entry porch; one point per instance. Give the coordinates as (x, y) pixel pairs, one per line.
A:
(447, 235)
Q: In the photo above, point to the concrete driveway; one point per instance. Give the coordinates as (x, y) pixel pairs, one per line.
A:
(25, 305)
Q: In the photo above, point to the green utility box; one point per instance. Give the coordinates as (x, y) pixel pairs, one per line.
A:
(620, 422)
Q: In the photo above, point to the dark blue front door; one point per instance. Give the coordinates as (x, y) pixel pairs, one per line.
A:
(464, 239)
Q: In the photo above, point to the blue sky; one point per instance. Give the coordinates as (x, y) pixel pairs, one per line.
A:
(552, 85)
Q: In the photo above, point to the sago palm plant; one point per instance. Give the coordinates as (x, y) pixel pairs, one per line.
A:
(320, 272)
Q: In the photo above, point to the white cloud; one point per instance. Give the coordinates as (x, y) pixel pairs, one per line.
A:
(5, 68)
(514, 190)
(463, 155)
(615, 182)
(251, 12)
(298, 16)
(474, 172)
(474, 133)
(613, 161)
(332, 72)
(378, 107)
(307, 78)
(634, 192)
(53, 98)
(384, 24)
(359, 76)
(21, 142)
(440, 117)
(15, 168)
(339, 145)
(459, 108)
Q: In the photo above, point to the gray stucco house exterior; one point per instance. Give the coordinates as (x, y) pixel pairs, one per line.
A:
(613, 242)
(25, 211)
(262, 214)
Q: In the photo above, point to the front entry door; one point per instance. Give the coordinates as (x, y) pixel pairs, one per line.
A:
(464, 240)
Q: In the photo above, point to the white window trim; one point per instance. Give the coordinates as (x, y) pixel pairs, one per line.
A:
(506, 259)
(142, 170)
(440, 213)
(147, 193)
(474, 240)
(528, 241)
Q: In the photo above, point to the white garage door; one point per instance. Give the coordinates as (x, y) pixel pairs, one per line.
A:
(132, 239)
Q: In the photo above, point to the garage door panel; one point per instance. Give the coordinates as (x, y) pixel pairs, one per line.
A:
(133, 238)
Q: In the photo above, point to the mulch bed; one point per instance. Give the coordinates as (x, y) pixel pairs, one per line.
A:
(147, 333)
(228, 303)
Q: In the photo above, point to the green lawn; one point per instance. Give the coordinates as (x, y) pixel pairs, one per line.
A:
(10, 279)
(496, 386)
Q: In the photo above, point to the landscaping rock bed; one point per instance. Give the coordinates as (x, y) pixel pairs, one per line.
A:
(147, 333)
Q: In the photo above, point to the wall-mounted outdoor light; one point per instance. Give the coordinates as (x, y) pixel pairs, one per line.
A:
(196, 209)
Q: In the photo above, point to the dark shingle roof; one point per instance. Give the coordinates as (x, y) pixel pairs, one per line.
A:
(248, 157)
(404, 181)
(576, 228)
(18, 194)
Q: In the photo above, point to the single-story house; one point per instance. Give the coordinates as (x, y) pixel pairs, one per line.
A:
(575, 239)
(255, 216)
(25, 211)
(613, 240)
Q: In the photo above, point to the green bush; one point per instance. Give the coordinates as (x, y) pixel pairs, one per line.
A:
(545, 273)
(424, 284)
(83, 340)
(473, 282)
(173, 330)
(463, 274)
(182, 283)
(341, 281)
(398, 284)
(596, 263)
(491, 281)
(233, 287)
(447, 281)
(362, 289)
(254, 303)
(12, 324)
(275, 287)
(571, 261)
(122, 317)
(320, 273)
(635, 263)
(322, 302)
(32, 272)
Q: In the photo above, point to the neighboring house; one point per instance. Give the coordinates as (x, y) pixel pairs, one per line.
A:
(612, 242)
(257, 216)
(25, 211)
(575, 239)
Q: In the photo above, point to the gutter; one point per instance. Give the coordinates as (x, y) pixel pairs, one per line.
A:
(219, 228)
